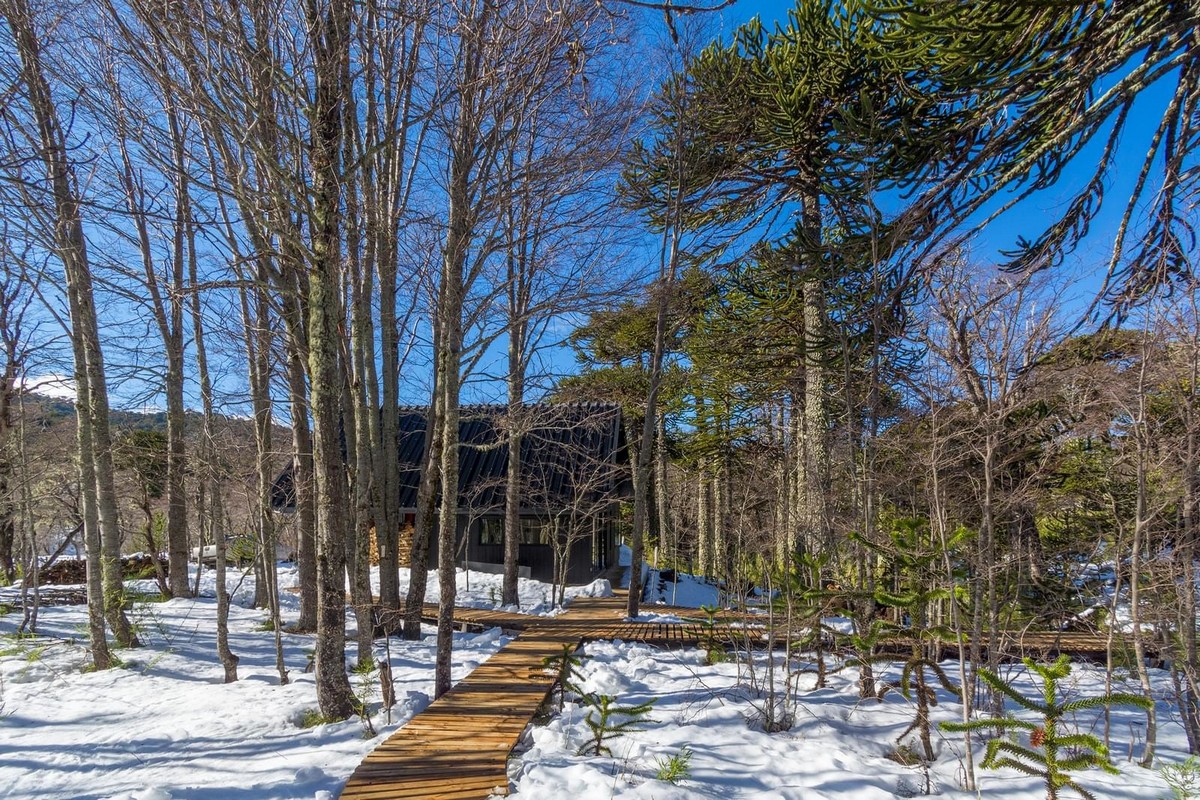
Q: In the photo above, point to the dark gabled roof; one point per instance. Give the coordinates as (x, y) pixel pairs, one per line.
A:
(570, 452)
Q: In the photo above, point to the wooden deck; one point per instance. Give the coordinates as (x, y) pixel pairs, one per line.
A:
(589, 619)
(458, 748)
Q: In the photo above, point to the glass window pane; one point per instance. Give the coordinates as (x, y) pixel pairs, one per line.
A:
(491, 531)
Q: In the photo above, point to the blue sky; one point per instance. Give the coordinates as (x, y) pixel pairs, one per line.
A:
(1084, 268)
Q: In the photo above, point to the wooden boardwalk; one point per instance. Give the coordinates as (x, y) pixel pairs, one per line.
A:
(458, 747)
(589, 619)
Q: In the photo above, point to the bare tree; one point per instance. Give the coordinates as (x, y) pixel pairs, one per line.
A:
(165, 292)
(15, 299)
(502, 64)
(329, 25)
(1183, 330)
(988, 331)
(571, 478)
(558, 221)
(60, 198)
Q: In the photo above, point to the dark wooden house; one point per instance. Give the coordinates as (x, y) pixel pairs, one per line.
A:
(574, 473)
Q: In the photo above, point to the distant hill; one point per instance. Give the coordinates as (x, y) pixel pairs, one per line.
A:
(51, 447)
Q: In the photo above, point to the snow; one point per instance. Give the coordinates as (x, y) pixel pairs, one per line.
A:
(837, 748)
(164, 726)
(483, 589)
(685, 590)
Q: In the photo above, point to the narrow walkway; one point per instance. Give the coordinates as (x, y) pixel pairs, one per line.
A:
(457, 748)
(599, 618)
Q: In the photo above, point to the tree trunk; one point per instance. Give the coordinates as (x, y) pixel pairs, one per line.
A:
(8, 392)
(431, 468)
(815, 421)
(211, 485)
(1141, 522)
(515, 422)
(704, 518)
(990, 607)
(450, 355)
(30, 595)
(302, 475)
(448, 509)
(360, 402)
(329, 26)
(645, 449)
(70, 244)
(257, 330)
(661, 495)
(168, 317)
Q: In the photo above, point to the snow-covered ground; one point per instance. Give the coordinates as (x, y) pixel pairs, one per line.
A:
(680, 589)
(838, 746)
(164, 727)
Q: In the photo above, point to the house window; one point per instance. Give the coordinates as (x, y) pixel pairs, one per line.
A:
(534, 532)
(491, 531)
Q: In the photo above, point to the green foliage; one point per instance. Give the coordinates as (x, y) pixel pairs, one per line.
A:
(1045, 86)
(676, 768)
(115, 662)
(366, 671)
(710, 643)
(144, 453)
(906, 756)
(565, 667)
(144, 618)
(312, 717)
(147, 597)
(1051, 754)
(1183, 778)
(614, 348)
(606, 720)
(910, 580)
(241, 549)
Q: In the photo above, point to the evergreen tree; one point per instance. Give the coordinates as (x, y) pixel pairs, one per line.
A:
(1052, 753)
(1039, 88)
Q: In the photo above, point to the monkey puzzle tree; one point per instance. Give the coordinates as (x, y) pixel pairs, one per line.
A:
(797, 131)
(1040, 94)
(1053, 753)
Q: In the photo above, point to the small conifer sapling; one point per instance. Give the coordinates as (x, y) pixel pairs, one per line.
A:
(1051, 754)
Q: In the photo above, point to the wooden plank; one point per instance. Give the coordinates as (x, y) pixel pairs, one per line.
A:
(458, 747)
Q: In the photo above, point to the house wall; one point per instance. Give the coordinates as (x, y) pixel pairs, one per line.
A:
(588, 557)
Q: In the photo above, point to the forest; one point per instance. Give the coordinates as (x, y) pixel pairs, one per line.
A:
(896, 297)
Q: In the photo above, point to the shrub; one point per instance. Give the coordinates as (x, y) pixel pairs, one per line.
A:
(676, 768)
(564, 666)
(607, 720)
(1052, 754)
(710, 643)
(312, 717)
(1183, 778)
